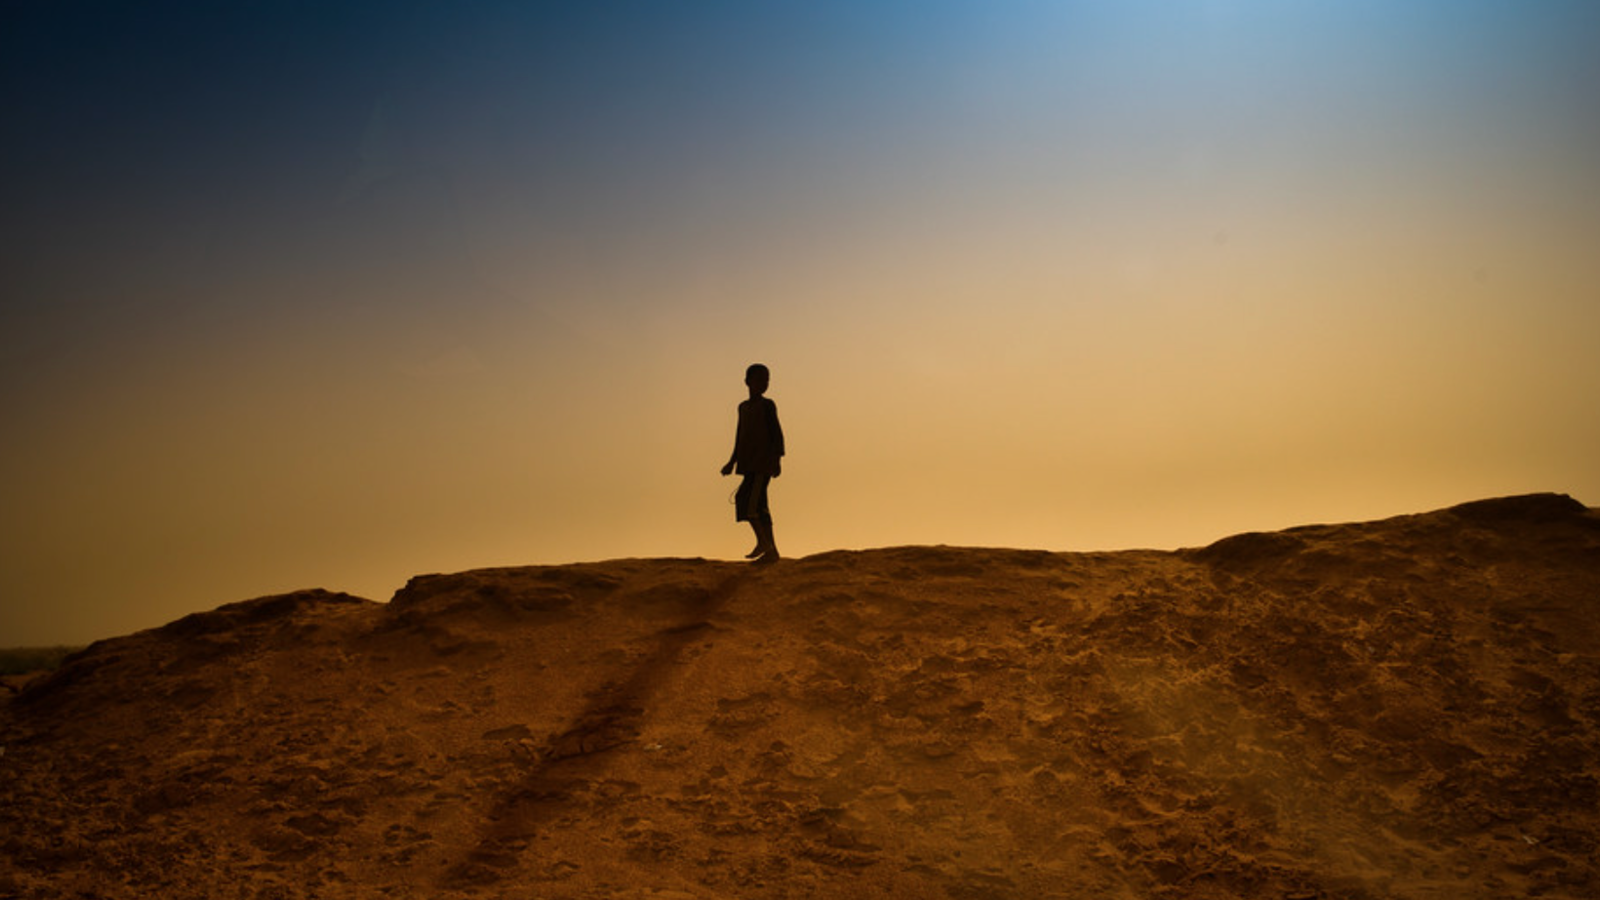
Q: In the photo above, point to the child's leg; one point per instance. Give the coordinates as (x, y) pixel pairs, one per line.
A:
(765, 541)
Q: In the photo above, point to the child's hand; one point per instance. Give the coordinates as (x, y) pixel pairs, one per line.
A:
(727, 469)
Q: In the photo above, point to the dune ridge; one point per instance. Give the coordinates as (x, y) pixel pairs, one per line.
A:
(1403, 708)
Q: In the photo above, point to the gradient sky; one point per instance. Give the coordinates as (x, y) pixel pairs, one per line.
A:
(331, 294)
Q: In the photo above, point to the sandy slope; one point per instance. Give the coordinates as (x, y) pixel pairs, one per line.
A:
(1406, 708)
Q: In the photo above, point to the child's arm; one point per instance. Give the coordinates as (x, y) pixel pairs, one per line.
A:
(776, 432)
(734, 456)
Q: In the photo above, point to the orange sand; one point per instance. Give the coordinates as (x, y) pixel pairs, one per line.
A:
(1407, 708)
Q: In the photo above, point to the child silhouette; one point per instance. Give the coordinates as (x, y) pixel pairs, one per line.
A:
(757, 455)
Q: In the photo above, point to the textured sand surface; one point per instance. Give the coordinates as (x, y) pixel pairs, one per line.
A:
(1406, 708)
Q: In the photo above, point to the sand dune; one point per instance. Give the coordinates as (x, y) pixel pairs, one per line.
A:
(1406, 708)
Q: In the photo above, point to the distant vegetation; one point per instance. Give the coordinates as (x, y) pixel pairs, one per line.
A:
(17, 660)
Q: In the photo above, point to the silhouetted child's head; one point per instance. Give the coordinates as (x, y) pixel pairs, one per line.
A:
(756, 378)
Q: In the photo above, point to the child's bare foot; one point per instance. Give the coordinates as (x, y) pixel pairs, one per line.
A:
(756, 552)
(767, 558)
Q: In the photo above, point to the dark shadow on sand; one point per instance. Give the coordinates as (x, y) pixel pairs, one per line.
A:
(576, 755)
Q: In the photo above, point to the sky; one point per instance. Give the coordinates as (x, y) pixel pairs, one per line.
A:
(331, 294)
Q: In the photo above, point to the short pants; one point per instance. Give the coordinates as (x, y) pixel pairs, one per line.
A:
(750, 502)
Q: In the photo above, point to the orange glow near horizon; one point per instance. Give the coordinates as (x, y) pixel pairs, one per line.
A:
(1056, 278)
